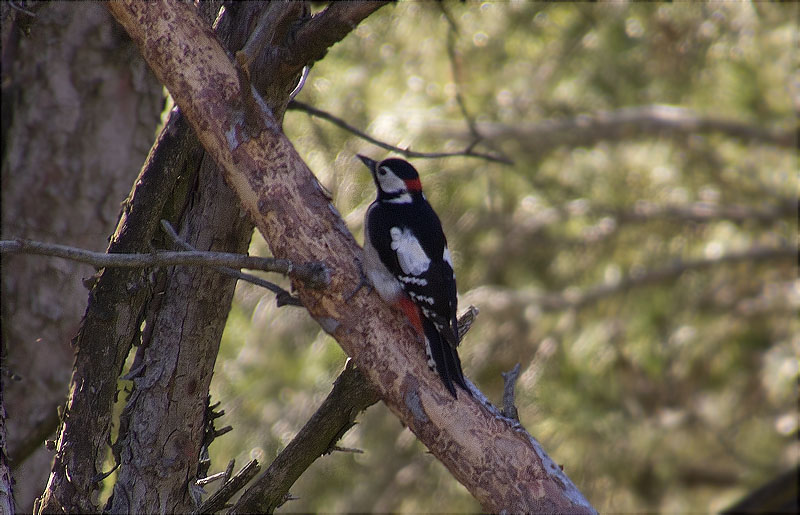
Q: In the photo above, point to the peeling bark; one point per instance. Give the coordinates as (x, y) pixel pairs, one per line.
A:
(164, 416)
(500, 464)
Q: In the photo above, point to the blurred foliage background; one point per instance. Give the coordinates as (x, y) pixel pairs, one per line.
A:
(661, 374)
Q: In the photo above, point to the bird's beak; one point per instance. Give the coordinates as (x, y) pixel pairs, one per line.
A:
(367, 161)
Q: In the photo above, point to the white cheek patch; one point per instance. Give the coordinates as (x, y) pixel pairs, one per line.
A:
(390, 183)
(410, 255)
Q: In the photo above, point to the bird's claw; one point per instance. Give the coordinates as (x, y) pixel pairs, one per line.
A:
(363, 282)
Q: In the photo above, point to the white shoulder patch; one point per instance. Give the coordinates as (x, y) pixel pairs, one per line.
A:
(410, 255)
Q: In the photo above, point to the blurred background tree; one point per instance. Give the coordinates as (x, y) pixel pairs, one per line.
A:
(637, 258)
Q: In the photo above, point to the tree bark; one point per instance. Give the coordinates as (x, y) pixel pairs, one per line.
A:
(171, 359)
(117, 306)
(500, 464)
(77, 123)
(164, 420)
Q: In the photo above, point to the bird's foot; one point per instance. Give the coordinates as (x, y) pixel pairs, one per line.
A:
(363, 282)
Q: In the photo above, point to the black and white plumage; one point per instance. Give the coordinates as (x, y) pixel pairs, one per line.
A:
(407, 259)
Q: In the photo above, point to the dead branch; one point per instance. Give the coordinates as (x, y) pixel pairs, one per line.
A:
(314, 274)
(500, 463)
(296, 105)
(351, 394)
(218, 499)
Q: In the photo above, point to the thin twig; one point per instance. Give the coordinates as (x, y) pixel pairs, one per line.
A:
(296, 105)
(339, 448)
(283, 297)
(210, 479)
(314, 274)
(218, 499)
(509, 381)
(455, 70)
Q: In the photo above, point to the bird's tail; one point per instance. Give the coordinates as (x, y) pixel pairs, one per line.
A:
(444, 358)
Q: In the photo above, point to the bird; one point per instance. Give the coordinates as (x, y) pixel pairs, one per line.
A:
(407, 260)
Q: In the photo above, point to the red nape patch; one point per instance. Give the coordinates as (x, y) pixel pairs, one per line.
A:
(412, 312)
(413, 185)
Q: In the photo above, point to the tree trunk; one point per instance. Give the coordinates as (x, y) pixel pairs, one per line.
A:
(77, 122)
(166, 409)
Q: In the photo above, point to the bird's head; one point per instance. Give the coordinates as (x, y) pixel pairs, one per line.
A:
(393, 177)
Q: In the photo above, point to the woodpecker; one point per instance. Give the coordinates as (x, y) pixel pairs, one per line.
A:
(407, 260)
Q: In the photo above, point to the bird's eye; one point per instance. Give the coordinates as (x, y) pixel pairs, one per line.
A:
(382, 170)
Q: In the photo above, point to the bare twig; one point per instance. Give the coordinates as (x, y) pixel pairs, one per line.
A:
(210, 479)
(338, 448)
(509, 382)
(21, 9)
(296, 105)
(314, 274)
(283, 297)
(456, 70)
(218, 499)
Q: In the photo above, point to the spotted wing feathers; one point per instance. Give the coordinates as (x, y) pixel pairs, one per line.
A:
(415, 252)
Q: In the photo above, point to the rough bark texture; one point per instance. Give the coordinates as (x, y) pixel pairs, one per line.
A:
(6, 482)
(159, 462)
(167, 187)
(164, 418)
(501, 465)
(78, 118)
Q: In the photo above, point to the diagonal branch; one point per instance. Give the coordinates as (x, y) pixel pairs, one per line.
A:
(313, 39)
(351, 394)
(496, 459)
(110, 325)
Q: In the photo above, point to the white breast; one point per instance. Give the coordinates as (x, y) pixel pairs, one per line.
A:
(387, 286)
